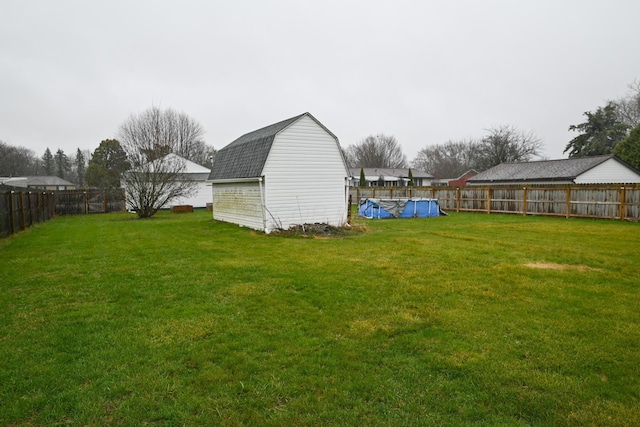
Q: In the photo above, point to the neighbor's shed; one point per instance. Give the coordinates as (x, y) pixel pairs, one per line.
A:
(289, 173)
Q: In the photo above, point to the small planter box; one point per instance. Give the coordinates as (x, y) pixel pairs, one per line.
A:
(181, 208)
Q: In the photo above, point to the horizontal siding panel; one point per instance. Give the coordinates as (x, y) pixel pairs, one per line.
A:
(199, 199)
(610, 171)
(238, 203)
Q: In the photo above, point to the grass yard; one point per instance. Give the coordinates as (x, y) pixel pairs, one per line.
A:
(470, 319)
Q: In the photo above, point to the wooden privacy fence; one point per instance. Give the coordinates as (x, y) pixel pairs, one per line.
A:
(582, 201)
(20, 210)
(91, 201)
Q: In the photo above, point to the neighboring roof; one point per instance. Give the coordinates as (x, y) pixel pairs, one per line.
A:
(40, 181)
(550, 170)
(189, 166)
(245, 157)
(375, 173)
(468, 174)
(14, 181)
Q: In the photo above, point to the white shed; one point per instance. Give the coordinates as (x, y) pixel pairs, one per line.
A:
(285, 174)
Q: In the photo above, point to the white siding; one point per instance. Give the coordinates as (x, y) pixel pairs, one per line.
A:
(305, 177)
(610, 171)
(198, 199)
(238, 203)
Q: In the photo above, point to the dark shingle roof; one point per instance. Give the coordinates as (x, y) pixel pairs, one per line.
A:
(245, 157)
(551, 170)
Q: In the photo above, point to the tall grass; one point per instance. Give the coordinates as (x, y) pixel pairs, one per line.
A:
(460, 320)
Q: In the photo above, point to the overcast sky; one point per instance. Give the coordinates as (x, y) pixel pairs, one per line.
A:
(425, 72)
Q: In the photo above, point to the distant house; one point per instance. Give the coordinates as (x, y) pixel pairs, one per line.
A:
(180, 170)
(460, 181)
(47, 183)
(289, 173)
(389, 177)
(581, 170)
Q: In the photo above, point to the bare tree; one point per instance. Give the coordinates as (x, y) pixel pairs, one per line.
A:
(506, 144)
(16, 161)
(448, 160)
(628, 107)
(379, 151)
(156, 177)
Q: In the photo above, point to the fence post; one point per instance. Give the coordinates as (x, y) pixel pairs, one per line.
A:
(488, 200)
(22, 215)
(51, 205)
(524, 201)
(623, 207)
(29, 208)
(12, 223)
(43, 207)
(568, 203)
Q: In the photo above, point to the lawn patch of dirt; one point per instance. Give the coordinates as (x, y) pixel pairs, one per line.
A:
(320, 230)
(559, 266)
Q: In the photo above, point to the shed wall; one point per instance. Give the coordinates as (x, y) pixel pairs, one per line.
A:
(610, 171)
(238, 203)
(305, 177)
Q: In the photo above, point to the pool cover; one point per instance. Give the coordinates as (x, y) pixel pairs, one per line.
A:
(399, 208)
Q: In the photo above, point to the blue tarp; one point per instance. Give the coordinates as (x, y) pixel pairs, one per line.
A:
(399, 208)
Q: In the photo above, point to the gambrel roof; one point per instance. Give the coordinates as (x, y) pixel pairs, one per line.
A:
(246, 156)
(545, 170)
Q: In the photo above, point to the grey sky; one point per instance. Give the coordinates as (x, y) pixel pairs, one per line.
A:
(424, 71)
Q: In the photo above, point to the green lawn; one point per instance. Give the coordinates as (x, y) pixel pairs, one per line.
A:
(179, 320)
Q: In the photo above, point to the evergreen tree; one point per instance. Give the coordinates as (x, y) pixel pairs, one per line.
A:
(80, 166)
(599, 134)
(410, 178)
(48, 163)
(629, 148)
(62, 163)
(107, 164)
(363, 181)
